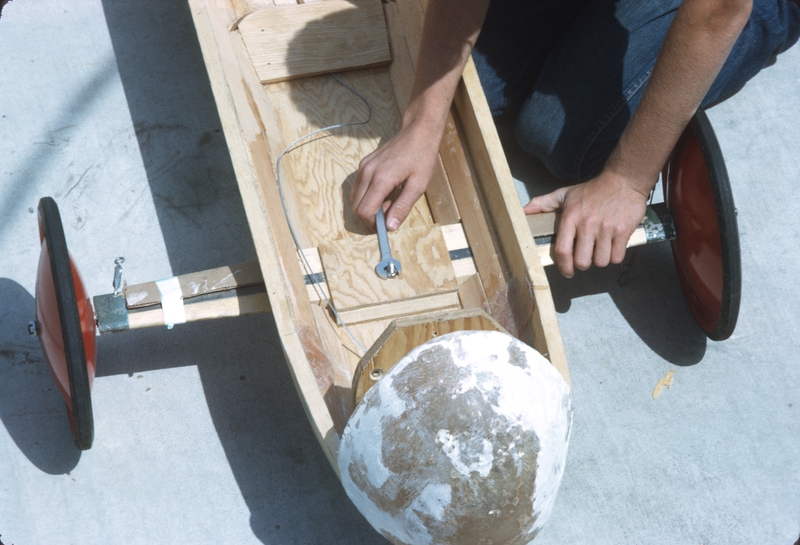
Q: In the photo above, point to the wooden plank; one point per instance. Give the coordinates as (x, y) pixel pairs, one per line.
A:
(455, 241)
(349, 266)
(224, 307)
(403, 335)
(440, 197)
(402, 68)
(508, 218)
(477, 226)
(235, 91)
(198, 283)
(546, 249)
(292, 41)
(402, 307)
(316, 176)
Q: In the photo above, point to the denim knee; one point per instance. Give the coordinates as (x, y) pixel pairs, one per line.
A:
(585, 94)
(570, 145)
(538, 131)
(578, 110)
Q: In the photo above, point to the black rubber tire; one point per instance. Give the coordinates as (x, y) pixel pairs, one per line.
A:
(69, 317)
(728, 226)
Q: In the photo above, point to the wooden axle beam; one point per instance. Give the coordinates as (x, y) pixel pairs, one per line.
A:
(142, 305)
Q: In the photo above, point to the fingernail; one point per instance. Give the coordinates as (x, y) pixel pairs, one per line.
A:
(393, 224)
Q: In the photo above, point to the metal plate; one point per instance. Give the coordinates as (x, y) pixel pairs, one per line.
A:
(66, 324)
(706, 250)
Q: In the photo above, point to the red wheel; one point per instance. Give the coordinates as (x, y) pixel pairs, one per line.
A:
(65, 323)
(698, 194)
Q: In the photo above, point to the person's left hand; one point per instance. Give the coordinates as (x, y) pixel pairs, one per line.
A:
(597, 219)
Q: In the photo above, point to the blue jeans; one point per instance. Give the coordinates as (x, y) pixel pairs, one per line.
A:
(572, 72)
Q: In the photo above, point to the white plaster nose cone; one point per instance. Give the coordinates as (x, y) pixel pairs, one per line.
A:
(463, 441)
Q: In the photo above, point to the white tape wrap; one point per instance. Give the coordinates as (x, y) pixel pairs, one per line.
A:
(171, 301)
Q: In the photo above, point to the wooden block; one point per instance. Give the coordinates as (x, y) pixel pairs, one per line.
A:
(291, 41)
(543, 224)
(471, 294)
(460, 252)
(405, 334)
(538, 319)
(349, 266)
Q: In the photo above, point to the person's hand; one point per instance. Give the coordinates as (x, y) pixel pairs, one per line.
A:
(597, 219)
(408, 159)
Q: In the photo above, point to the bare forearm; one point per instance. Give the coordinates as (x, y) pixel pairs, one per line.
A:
(450, 32)
(695, 49)
(408, 159)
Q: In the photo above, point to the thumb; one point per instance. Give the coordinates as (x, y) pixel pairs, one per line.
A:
(546, 203)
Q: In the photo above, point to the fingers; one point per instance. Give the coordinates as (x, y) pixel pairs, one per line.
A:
(360, 184)
(369, 190)
(565, 246)
(580, 246)
(618, 249)
(546, 203)
(402, 206)
(601, 256)
(597, 220)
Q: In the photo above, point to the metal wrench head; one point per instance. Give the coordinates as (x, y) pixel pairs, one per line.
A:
(388, 268)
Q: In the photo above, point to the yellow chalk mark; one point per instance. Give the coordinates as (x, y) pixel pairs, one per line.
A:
(666, 380)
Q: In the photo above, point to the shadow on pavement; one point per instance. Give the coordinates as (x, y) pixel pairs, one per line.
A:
(281, 471)
(31, 408)
(651, 300)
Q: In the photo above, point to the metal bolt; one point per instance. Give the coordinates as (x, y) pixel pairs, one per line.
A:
(118, 275)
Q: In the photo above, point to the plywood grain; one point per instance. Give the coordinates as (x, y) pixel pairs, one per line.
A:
(401, 307)
(317, 175)
(292, 41)
(349, 266)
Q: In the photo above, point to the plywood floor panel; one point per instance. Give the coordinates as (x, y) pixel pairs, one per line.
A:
(318, 174)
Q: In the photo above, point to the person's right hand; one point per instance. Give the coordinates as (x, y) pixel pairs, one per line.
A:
(597, 219)
(408, 159)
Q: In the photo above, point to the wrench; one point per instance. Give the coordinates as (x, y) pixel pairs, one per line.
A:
(388, 267)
